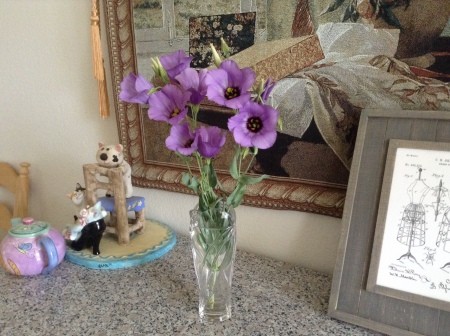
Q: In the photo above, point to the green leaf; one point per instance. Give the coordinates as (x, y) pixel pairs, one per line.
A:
(210, 173)
(202, 204)
(190, 182)
(194, 184)
(234, 171)
(245, 152)
(248, 180)
(236, 196)
(185, 179)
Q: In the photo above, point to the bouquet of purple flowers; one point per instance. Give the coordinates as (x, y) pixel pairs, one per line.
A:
(253, 126)
(177, 102)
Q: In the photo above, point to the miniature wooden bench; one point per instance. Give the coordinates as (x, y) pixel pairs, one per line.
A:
(118, 206)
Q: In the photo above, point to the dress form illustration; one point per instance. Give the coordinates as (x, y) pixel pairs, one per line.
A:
(444, 228)
(412, 227)
(439, 192)
(443, 236)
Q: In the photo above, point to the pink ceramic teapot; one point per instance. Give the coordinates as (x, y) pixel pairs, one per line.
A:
(31, 247)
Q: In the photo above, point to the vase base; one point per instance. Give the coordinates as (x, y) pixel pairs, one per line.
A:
(217, 317)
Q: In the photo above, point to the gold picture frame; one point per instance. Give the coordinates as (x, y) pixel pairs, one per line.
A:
(282, 193)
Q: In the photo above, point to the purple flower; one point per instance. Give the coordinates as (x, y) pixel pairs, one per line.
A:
(268, 87)
(254, 126)
(134, 89)
(193, 81)
(175, 63)
(228, 85)
(168, 104)
(182, 140)
(210, 141)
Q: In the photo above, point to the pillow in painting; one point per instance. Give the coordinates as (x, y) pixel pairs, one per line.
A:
(340, 41)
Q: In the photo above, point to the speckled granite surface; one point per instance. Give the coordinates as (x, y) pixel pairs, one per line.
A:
(160, 298)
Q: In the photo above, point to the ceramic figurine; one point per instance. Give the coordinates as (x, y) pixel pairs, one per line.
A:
(77, 196)
(73, 232)
(31, 247)
(111, 156)
(92, 224)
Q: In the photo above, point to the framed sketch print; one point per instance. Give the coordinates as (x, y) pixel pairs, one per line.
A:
(411, 253)
(386, 268)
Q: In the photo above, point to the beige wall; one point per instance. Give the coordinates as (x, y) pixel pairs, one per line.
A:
(49, 117)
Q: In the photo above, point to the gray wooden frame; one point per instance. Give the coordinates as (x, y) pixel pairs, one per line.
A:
(350, 301)
(385, 200)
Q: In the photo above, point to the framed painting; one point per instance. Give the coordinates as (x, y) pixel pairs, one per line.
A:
(139, 29)
(411, 254)
(391, 272)
(309, 163)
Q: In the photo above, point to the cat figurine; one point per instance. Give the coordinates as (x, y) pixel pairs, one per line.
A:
(92, 224)
(73, 232)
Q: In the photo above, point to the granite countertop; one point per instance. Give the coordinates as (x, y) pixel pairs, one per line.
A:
(160, 298)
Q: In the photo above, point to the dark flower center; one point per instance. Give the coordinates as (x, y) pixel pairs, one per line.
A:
(232, 92)
(188, 143)
(254, 124)
(176, 111)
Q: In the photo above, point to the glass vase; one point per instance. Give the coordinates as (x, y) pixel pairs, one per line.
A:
(213, 242)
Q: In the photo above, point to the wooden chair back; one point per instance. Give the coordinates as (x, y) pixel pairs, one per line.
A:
(16, 183)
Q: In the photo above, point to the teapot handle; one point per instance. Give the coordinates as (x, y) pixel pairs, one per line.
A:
(52, 253)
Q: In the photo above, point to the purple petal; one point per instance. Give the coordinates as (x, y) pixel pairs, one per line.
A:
(168, 104)
(160, 106)
(194, 82)
(238, 102)
(188, 78)
(268, 87)
(265, 140)
(181, 140)
(242, 78)
(210, 141)
(134, 89)
(248, 78)
(175, 63)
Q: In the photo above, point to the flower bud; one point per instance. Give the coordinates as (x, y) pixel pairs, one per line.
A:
(216, 58)
(226, 51)
(159, 70)
(280, 123)
(260, 87)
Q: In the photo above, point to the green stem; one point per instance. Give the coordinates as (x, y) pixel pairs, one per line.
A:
(251, 161)
(194, 109)
(211, 299)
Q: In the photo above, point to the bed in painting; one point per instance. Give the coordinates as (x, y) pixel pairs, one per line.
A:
(374, 58)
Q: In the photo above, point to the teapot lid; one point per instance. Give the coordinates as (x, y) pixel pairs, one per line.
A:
(28, 228)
